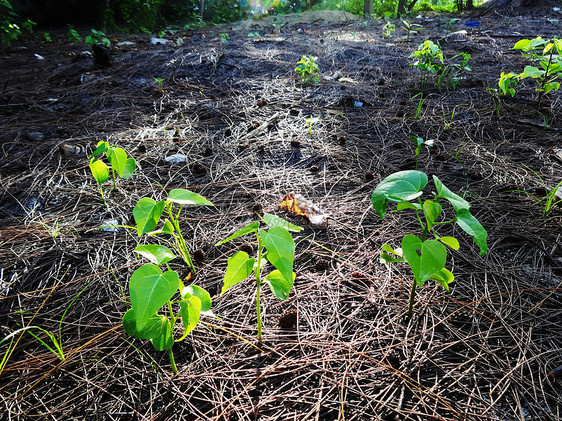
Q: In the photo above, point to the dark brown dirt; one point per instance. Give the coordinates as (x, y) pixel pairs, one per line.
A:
(242, 118)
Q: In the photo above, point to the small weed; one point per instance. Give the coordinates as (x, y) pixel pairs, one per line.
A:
(97, 37)
(274, 245)
(308, 70)
(73, 35)
(426, 258)
(388, 29)
(410, 28)
(118, 160)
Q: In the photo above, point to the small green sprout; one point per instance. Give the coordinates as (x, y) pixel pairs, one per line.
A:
(551, 199)
(449, 24)
(308, 70)
(97, 37)
(388, 29)
(47, 37)
(73, 35)
(419, 142)
(118, 160)
(159, 82)
(254, 35)
(426, 257)
(548, 54)
(223, 38)
(410, 28)
(150, 288)
(428, 59)
(274, 245)
(311, 121)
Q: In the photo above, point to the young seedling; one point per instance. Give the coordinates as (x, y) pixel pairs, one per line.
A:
(549, 59)
(410, 28)
(428, 59)
(551, 199)
(419, 142)
(97, 37)
(308, 70)
(388, 29)
(449, 24)
(453, 71)
(274, 245)
(151, 289)
(420, 105)
(223, 38)
(426, 257)
(147, 214)
(548, 54)
(117, 158)
(311, 121)
(159, 82)
(73, 35)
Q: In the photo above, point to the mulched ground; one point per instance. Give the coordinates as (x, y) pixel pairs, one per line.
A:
(240, 115)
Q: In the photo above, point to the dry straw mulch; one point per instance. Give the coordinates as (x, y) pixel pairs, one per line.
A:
(237, 111)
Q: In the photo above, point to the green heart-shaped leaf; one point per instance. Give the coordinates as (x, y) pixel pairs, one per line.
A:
(431, 210)
(472, 227)
(280, 250)
(454, 199)
(150, 289)
(99, 170)
(444, 277)
(165, 340)
(102, 146)
(200, 293)
(117, 158)
(402, 186)
(129, 168)
(425, 258)
(239, 267)
(155, 253)
(152, 329)
(279, 284)
(186, 197)
(147, 213)
(190, 313)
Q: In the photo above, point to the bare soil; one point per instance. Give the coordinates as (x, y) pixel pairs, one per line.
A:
(241, 116)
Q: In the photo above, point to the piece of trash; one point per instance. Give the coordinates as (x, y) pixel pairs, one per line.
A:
(36, 136)
(68, 149)
(358, 104)
(346, 79)
(176, 158)
(158, 41)
(556, 9)
(179, 42)
(110, 225)
(297, 204)
(38, 57)
(125, 44)
(473, 23)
